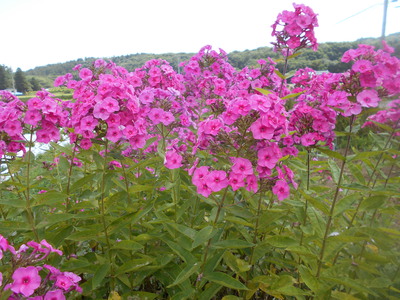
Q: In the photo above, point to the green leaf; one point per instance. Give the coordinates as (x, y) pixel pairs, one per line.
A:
(281, 76)
(225, 280)
(292, 95)
(188, 271)
(127, 245)
(100, 274)
(309, 279)
(203, 236)
(133, 265)
(89, 234)
(335, 170)
(232, 244)
(345, 203)
(81, 182)
(231, 297)
(331, 153)
(262, 91)
(281, 241)
(183, 253)
(140, 188)
(373, 202)
(351, 283)
(142, 295)
(49, 198)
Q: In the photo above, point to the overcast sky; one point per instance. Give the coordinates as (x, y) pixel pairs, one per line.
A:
(40, 32)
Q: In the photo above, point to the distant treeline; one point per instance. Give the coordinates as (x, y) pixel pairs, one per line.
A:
(326, 58)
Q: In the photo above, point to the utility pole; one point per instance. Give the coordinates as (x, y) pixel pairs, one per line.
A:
(385, 9)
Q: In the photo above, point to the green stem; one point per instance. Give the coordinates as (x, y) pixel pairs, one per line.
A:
(68, 201)
(373, 173)
(284, 72)
(28, 183)
(103, 218)
(220, 206)
(335, 198)
(255, 236)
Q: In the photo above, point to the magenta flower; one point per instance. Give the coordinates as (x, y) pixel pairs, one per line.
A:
(85, 74)
(54, 295)
(262, 130)
(368, 98)
(26, 281)
(172, 160)
(242, 166)
(281, 190)
(236, 181)
(216, 180)
(268, 157)
(63, 282)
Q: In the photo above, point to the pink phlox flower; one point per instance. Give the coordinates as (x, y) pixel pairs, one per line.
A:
(46, 245)
(100, 111)
(242, 166)
(242, 107)
(251, 183)
(362, 66)
(261, 129)
(173, 160)
(167, 118)
(54, 295)
(138, 141)
(63, 282)
(88, 123)
(217, 180)
(200, 174)
(85, 74)
(26, 280)
(353, 109)
(368, 98)
(269, 156)
(212, 126)
(114, 134)
(32, 117)
(13, 127)
(146, 96)
(309, 139)
(281, 190)
(156, 115)
(236, 181)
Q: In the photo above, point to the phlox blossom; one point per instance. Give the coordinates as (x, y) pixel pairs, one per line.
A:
(85, 74)
(217, 180)
(242, 166)
(281, 190)
(251, 183)
(368, 98)
(26, 281)
(261, 129)
(54, 295)
(236, 181)
(269, 156)
(173, 160)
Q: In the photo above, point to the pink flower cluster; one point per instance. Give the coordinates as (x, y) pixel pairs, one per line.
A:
(294, 30)
(26, 276)
(389, 116)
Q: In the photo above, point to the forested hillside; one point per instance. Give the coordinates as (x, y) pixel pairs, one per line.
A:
(326, 58)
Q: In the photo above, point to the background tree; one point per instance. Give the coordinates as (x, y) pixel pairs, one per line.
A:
(21, 83)
(5, 77)
(35, 84)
